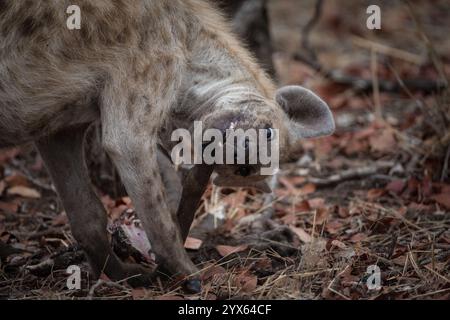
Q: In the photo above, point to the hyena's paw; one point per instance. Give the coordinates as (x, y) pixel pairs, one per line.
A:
(193, 285)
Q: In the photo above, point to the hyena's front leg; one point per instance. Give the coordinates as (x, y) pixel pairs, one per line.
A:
(130, 139)
(194, 185)
(64, 159)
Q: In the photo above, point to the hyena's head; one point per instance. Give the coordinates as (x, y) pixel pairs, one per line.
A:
(294, 113)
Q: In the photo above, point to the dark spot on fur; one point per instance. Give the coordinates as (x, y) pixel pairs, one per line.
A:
(148, 107)
(48, 17)
(29, 26)
(4, 4)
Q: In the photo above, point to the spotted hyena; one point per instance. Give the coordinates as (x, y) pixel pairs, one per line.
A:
(142, 69)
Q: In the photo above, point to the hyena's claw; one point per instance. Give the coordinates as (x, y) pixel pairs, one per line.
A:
(192, 285)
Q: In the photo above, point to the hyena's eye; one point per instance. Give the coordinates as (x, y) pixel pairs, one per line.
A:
(243, 171)
(270, 134)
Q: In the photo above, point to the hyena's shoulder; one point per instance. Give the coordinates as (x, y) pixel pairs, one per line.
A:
(40, 21)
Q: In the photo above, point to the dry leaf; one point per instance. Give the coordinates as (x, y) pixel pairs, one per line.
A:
(138, 294)
(316, 203)
(227, 250)
(302, 234)
(212, 272)
(9, 206)
(334, 226)
(170, 298)
(374, 194)
(396, 186)
(358, 237)
(338, 244)
(322, 215)
(24, 192)
(193, 243)
(17, 179)
(117, 212)
(383, 142)
(247, 283)
(60, 220)
(307, 189)
(2, 187)
(443, 199)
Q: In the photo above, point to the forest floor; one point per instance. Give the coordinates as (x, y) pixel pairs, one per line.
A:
(370, 202)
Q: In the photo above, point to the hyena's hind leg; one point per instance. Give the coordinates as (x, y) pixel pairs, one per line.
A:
(64, 158)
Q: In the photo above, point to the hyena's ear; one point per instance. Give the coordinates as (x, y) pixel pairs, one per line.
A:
(309, 115)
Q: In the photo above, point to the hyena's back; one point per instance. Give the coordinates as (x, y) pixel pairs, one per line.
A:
(52, 77)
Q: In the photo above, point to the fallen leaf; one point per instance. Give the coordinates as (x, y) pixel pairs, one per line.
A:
(396, 186)
(374, 194)
(17, 179)
(116, 212)
(60, 220)
(227, 250)
(247, 282)
(358, 237)
(170, 298)
(383, 142)
(290, 218)
(138, 293)
(303, 206)
(24, 192)
(322, 215)
(193, 243)
(2, 187)
(301, 234)
(400, 260)
(338, 244)
(334, 226)
(9, 206)
(307, 189)
(212, 272)
(316, 203)
(443, 199)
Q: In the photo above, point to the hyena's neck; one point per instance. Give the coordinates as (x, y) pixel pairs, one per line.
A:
(213, 95)
(222, 77)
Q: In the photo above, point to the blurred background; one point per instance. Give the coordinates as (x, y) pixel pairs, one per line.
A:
(376, 193)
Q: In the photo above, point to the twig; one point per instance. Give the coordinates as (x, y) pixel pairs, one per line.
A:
(444, 173)
(430, 293)
(330, 286)
(351, 174)
(306, 31)
(30, 177)
(376, 86)
(434, 57)
(388, 51)
(101, 282)
(361, 85)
